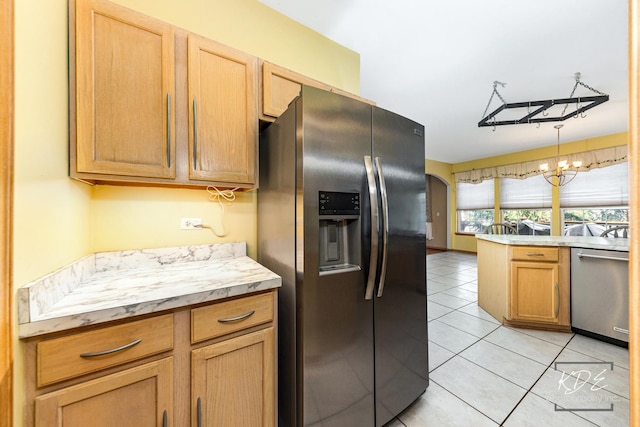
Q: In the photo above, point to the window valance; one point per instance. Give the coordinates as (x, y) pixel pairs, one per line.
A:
(590, 160)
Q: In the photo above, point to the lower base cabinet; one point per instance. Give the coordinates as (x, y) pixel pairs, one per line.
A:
(525, 286)
(535, 292)
(539, 287)
(136, 397)
(233, 382)
(209, 365)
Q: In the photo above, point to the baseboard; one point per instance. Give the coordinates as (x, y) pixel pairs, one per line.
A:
(535, 325)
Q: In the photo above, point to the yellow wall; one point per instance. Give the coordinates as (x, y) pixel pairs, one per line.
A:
(468, 243)
(254, 28)
(133, 217)
(440, 169)
(58, 220)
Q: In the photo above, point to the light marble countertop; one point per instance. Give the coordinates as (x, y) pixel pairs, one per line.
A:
(116, 285)
(587, 242)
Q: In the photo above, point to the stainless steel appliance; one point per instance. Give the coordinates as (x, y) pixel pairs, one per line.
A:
(600, 294)
(341, 218)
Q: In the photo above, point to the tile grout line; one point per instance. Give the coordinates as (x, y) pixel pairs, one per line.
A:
(464, 401)
(534, 383)
(483, 338)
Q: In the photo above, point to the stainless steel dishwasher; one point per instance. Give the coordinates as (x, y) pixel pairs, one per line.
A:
(600, 294)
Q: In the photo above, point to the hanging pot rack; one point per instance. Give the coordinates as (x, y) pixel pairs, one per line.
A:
(537, 110)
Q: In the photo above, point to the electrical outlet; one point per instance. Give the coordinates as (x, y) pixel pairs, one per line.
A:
(191, 223)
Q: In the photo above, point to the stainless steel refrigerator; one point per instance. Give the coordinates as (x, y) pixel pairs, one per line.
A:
(341, 218)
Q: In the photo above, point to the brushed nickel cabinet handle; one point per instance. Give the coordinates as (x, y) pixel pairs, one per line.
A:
(199, 413)
(237, 318)
(195, 134)
(621, 330)
(557, 300)
(165, 420)
(168, 130)
(112, 350)
(532, 254)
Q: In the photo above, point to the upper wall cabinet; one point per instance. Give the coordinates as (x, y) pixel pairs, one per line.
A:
(223, 113)
(280, 86)
(124, 82)
(156, 104)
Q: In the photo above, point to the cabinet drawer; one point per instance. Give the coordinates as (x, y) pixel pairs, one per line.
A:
(535, 253)
(225, 317)
(67, 357)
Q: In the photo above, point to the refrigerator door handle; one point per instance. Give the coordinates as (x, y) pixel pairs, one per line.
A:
(385, 226)
(373, 199)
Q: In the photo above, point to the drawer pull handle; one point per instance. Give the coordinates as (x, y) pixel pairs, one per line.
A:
(621, 330)
(237, 318)
(531, 254)
(165, 420)
(110, 351)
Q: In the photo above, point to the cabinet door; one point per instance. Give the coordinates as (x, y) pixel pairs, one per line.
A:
(136, 397)
(223, 117)
(280, 86)
(535, 291)
(233, 382)
(124, 80)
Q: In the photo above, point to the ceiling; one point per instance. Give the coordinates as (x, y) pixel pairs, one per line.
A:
(435, 62)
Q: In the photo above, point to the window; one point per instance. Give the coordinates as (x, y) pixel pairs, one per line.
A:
(526, 204)
(596, 200)
(593, 221)
(474, 206)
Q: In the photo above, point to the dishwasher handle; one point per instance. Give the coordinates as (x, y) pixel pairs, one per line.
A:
(583, 255)
(621, 330)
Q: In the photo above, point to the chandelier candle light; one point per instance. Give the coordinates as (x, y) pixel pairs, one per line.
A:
(564, 172)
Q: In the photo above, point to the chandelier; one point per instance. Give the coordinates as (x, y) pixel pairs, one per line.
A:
(563, 173)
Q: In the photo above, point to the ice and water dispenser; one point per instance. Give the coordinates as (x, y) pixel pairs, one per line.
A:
(339, 232)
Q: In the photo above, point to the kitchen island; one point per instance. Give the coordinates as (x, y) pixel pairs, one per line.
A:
(524, 281)
(168, 336)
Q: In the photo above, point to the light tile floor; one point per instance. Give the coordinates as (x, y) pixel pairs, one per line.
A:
(486, 374)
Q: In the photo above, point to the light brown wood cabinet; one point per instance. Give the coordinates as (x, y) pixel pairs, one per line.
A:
(540, 285)
(223, 116)
(525, 286)
(155, 104)
(140, 396)
(233, 382)
(124, 88)
(207, 365)
(81, 353)
(280, 86)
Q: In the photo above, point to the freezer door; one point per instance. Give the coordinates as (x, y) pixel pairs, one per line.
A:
(335, 319)
(400, 305)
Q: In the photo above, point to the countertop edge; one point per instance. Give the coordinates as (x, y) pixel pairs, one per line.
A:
(39, 302)
(59, 324)
(585, 242)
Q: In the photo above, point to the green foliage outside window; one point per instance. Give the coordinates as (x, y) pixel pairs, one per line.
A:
(604, 216)
(542, 216)
(474, 221)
